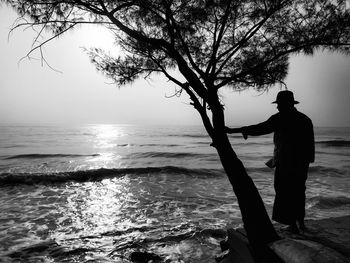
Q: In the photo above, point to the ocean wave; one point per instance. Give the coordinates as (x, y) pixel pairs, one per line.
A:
(169, 155)
(124, 145)
(335, 143)
(42, 156)
(203, 143)
(189, 135)
(313, 169)
(13, 146)
(321, 202)
(327, 170)
(147, 145)
(343, 153)
(234, 143)
(98, 174)
(259, 170)
(157, 145)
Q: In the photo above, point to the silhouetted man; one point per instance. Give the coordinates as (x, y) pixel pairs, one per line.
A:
(294, 151)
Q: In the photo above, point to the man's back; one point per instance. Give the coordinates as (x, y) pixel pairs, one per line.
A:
(293, 137)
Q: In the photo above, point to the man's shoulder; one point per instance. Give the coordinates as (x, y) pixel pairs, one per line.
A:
(279, 117)
(275, 116)
(303, 116)
(304, 120)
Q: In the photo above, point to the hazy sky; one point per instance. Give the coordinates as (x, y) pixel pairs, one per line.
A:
(32, 93)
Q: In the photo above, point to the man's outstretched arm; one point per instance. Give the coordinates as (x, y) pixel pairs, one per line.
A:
(262, 128)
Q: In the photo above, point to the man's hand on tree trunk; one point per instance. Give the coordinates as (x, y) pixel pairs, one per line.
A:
(237, 130)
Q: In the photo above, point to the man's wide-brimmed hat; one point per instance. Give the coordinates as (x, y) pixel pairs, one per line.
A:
(285, 97)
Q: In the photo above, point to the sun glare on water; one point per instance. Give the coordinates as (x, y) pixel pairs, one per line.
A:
(107, 135)
(106, 141)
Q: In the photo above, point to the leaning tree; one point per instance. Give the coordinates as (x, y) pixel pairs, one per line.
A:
(213, 44)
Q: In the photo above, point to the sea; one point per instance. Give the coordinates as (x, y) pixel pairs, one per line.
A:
(112, 193)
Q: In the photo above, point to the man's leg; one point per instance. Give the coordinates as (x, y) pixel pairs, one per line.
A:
(284, 208)
(301, 197)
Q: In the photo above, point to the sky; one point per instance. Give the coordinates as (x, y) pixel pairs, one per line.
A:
(33, 93)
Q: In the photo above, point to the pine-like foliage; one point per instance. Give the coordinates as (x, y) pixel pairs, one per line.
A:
(236, 43)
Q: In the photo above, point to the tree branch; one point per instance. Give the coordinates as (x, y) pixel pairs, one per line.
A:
(184, 45)
(201, 109)
(216, 42)
(249, 34)
(48, 40)
(274, 58)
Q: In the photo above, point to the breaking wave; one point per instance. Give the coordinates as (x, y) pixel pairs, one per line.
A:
(42, 156)
(169, 155)
(321, 202)
(99, 174)
(189, 135)
(335, 143)
(328, 170)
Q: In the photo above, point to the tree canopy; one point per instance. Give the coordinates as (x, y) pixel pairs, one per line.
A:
(213, 43)
(236, 43)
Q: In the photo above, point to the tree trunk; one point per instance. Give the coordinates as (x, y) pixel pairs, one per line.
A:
(257, 223)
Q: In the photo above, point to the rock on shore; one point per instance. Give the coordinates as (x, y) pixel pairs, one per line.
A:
(330, 232)
(326, 240)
